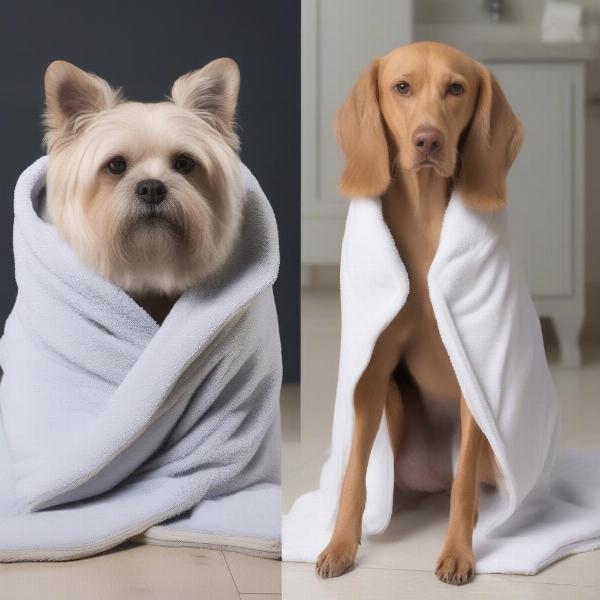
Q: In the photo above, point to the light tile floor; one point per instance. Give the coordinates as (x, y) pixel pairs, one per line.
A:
(398, 564)
(154, 572)
(148, 572)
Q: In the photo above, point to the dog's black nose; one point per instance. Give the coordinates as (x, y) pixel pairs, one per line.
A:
(151, 191)
(428, 140)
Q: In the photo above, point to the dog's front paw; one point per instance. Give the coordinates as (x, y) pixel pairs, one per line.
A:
(455, 568)
(336, 559)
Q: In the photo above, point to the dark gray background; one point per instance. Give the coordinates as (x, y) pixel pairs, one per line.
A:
(144, 46)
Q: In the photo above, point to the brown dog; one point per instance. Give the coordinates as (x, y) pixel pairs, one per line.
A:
(421, 121)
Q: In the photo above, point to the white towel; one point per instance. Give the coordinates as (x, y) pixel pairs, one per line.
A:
(561, 22)
(111, 425)
(547, 504)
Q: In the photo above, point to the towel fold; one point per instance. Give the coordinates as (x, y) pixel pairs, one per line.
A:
(112, 427)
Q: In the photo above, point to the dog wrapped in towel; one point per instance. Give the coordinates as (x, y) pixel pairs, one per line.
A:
(113, 428)
(545, 501)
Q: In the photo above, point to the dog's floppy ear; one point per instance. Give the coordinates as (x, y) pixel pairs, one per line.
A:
(212, 93)
(361, 135)
(491, 143)
(71, 93)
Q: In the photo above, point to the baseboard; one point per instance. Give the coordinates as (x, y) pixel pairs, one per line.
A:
(321, 277)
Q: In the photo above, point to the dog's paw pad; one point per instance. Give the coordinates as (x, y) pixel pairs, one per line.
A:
(455, 569)
(335, 560)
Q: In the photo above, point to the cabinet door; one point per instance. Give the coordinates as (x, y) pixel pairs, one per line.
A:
(541, 183)
(339, 39)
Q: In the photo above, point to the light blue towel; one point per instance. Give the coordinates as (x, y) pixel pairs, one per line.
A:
(123, 428)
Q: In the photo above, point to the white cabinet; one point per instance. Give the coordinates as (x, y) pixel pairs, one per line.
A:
(546, 199)
(339, 39)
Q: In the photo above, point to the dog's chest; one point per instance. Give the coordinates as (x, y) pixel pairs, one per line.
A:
(422, 350)
(156, 305)
(421, 346)
(432, 409)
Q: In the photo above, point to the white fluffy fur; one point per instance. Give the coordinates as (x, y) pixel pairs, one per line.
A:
(98, 213)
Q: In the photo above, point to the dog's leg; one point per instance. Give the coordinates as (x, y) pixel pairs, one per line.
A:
(394, 415)
(374, 386)
(455, 564)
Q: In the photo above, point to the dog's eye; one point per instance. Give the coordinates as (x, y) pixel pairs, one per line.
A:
(403, 88)
(117, 165)
(183, 163)
(455, 89)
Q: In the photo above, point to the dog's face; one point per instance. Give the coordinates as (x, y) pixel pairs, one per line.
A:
(428, 106)
(427, 97)
(147, 194)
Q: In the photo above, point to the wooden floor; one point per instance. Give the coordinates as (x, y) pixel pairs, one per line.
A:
(145, 572)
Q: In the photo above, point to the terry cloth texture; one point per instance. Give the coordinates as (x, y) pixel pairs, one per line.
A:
(547, 503)
(112, 427)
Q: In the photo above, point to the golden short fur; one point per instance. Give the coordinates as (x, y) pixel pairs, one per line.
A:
(189, 236)
(376, 124)
(471, 140)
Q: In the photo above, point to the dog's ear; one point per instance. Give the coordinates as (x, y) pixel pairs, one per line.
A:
(490, 145)
(361, 135)
(212, 93)
(71, 93)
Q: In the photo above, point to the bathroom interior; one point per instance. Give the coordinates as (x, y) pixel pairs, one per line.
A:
(546, 56)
